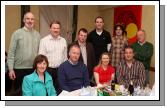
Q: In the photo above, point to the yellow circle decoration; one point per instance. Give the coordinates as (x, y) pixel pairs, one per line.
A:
(131, 30)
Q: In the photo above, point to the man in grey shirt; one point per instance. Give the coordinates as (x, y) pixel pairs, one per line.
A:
(22, 51)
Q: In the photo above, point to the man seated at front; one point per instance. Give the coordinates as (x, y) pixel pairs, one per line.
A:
(130, 69)
(72, 74)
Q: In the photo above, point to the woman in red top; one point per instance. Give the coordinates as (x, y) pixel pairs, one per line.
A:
(104, 72)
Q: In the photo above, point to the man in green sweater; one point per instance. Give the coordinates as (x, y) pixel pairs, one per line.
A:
(22, 51)
(143, 52)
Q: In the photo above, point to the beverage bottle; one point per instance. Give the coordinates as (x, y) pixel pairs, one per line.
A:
(113, 85)
(131, 88)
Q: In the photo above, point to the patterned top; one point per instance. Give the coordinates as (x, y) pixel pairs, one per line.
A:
(104, 75)
(117, 49)
(136, 73)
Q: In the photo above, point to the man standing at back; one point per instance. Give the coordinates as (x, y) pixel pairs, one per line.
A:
(100, 38)
(22, 51)
(54, 47)
(143, 52)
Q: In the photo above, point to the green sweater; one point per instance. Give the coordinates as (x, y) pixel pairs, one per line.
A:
(23, 48)
(143, 53)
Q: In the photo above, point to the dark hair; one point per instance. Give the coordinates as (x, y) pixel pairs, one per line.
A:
(55, 22)
(98, 18)
(38, 59)
(128, 47)
(83, 30)
(121, 27)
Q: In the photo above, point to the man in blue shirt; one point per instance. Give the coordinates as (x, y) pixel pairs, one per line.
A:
(72, 74)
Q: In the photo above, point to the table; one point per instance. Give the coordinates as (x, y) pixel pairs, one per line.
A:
(94, 91)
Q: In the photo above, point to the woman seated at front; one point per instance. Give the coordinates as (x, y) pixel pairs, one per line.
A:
(39, 83)
(104, 72)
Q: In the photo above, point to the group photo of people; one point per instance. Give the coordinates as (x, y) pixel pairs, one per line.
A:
(55, 50)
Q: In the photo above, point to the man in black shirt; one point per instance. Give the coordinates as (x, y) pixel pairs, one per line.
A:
(100, 38)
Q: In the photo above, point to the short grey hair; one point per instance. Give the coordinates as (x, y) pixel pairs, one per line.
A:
(142, 30)
(26, 14)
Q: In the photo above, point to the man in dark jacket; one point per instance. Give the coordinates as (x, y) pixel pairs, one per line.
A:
(87, 55)
(100, 38)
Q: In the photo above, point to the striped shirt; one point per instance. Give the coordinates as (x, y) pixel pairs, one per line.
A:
(55, 49)
(84, 52)
(136, 73)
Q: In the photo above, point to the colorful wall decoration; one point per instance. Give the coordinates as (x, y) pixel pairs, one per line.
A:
(130, 16)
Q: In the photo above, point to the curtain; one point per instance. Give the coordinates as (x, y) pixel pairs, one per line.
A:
(24, 9)
(62, 13)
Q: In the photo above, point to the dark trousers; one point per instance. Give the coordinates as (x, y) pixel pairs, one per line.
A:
(8, 83)
(53, 73)
(20, 73)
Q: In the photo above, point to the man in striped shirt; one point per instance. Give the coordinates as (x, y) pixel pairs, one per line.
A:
(130, 69)
(54, 47)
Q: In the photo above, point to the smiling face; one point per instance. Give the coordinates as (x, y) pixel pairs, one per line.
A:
(55, 30)
(141, 36)
(29, 20)
(105, 60)
(41, 67)
(129, 54)
(74, 54)
(99, 24)
(40, 63)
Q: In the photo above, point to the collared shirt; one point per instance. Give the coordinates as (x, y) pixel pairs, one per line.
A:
(136, 73)
(55, 49)
(117, 49)
(23, 48)
(72, 62)
(141, 43)
(83, 51)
